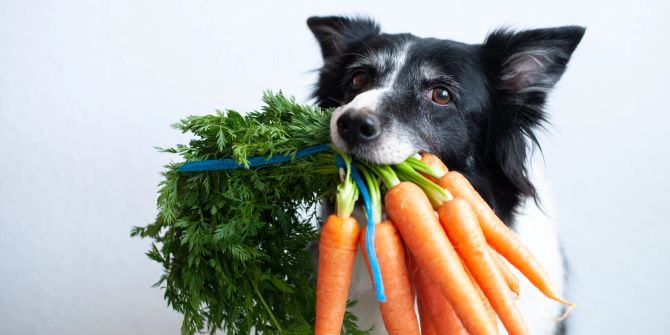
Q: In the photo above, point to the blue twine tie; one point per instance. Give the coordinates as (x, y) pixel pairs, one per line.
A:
(229, 163)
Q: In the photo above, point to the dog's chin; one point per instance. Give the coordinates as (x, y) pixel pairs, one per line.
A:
(379, 152)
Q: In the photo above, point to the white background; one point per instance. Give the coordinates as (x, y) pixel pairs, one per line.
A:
(87, 88)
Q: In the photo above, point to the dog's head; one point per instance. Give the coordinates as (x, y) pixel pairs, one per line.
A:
(475, 105)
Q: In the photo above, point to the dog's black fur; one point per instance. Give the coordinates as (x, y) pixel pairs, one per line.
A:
(498, 90)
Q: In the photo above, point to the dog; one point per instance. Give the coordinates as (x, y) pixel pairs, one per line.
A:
(476, 106)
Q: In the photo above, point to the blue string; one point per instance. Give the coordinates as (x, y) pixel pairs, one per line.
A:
(229, 163)
(370, 235)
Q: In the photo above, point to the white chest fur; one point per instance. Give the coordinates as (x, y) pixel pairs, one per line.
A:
(538, 232)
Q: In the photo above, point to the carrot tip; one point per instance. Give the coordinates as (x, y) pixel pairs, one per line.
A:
(561, 300)
(566, 312)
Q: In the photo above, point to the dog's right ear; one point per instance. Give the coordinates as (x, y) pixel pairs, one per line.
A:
(336, 34)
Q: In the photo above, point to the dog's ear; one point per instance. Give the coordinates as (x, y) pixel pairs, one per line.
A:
(530, 60)
(336, 34)
(525, 66)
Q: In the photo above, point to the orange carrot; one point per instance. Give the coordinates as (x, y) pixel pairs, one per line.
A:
(510, 278)
(464, 231)
(425, 318)
(487, 304)
(412, 267)
(426, 325)
(398, 310)
(337, 252)
(499, 236)
(411, 211)
(435, 163)
(512, 281)
(439, 315)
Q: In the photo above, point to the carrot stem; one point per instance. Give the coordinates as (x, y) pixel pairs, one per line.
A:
(347, 193)
(386, 174)
(267, 308)
(375, 193)
(420, 166)
(437, 195)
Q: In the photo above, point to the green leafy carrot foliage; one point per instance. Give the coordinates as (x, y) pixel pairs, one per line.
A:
(235, 244)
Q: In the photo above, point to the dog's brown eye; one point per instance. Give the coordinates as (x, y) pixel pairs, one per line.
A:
(359, 79)
(441, 96)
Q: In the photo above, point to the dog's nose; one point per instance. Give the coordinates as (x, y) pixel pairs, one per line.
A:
(357, 127)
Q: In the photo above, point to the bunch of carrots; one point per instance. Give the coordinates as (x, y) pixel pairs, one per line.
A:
(440, 246)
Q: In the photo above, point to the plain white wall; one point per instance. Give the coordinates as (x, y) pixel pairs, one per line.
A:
(87, 88)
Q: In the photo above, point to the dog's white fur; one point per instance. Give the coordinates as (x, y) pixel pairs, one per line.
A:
(537, 229)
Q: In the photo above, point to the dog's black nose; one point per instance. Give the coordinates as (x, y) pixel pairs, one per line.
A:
(357, 127)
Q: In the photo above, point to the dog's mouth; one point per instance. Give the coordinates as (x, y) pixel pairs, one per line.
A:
(376, 156)
(390, 148)
(370, 138)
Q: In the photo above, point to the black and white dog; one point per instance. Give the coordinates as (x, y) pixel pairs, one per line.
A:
(475, 105)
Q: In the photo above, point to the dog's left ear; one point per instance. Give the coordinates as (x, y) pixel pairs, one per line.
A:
(336, 34)
(525, 66)
(530, 60)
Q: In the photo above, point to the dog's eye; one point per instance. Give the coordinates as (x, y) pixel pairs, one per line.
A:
(440, 96)
(359, 79)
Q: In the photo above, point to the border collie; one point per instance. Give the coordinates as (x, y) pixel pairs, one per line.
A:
(477, 106)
